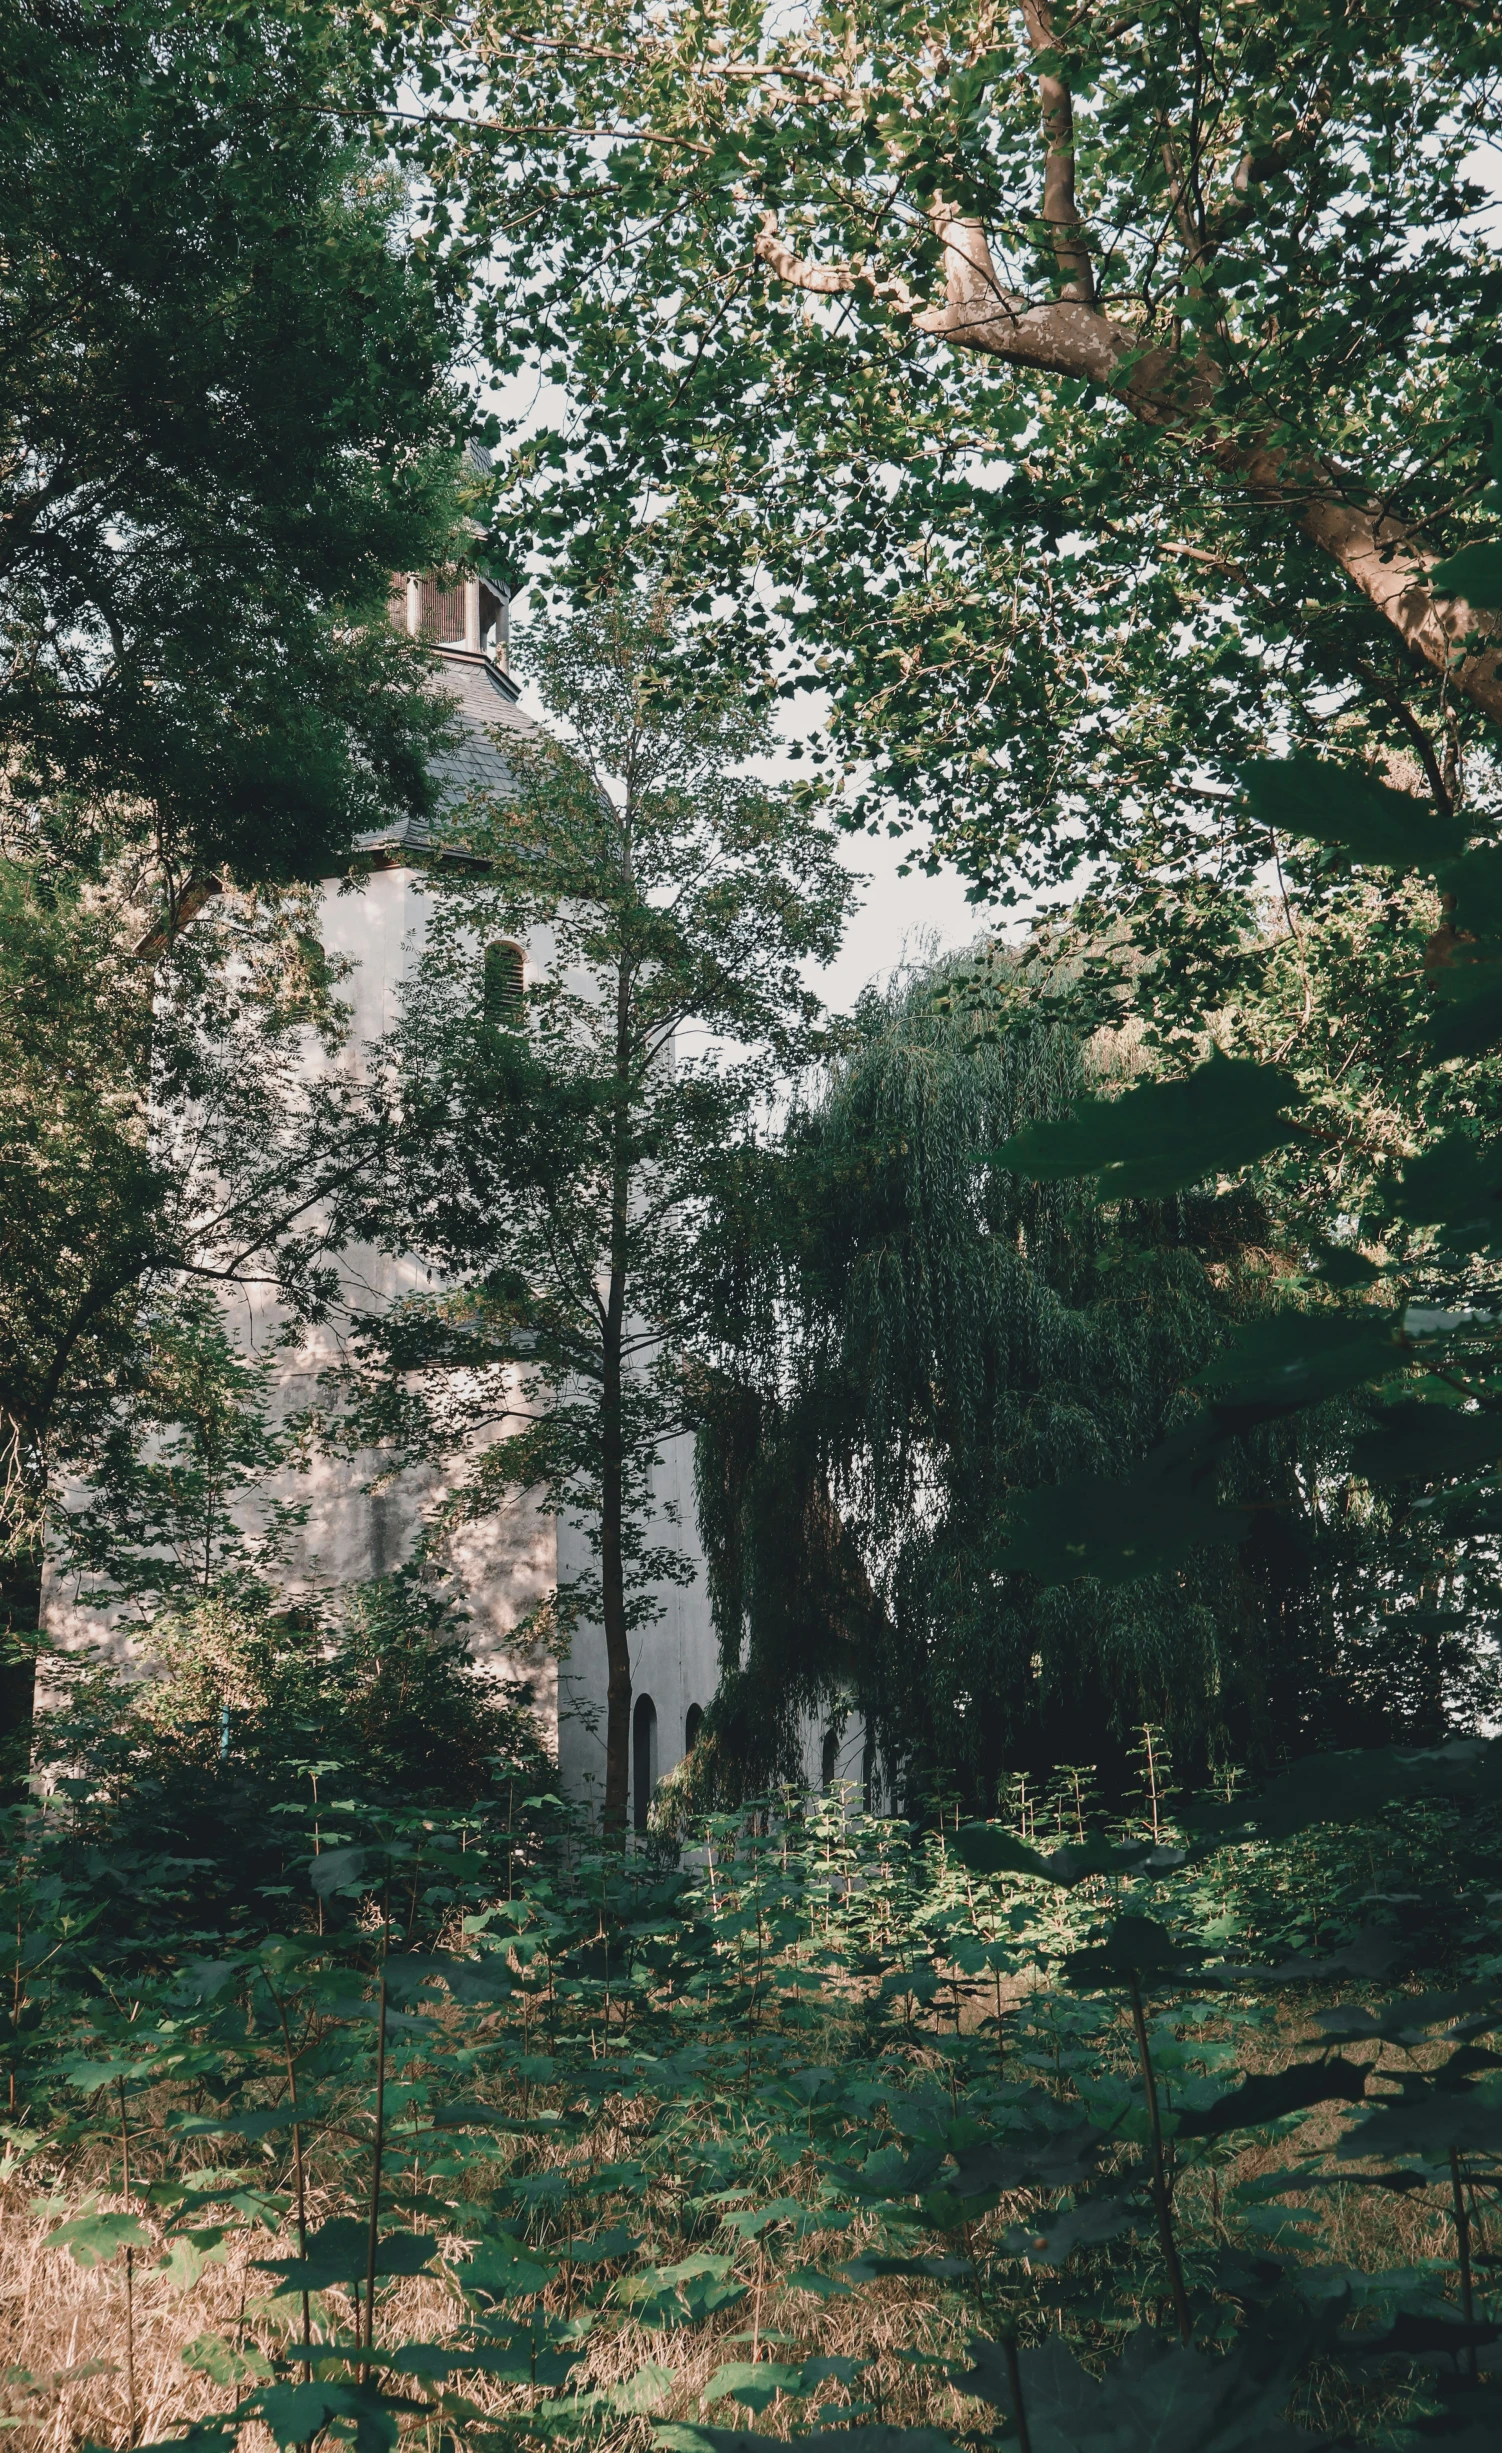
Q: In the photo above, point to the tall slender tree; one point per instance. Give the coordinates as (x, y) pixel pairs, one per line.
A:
(562, 1138)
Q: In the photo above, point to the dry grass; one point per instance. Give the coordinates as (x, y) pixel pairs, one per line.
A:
(68, 2337)
(71, 2339)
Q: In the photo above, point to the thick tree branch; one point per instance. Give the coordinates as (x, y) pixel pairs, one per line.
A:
(1064, 336)
(1067, 232)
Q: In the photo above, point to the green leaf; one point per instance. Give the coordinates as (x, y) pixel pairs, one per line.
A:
(338, 2253)
(1348, 809)
(1058, 2158)
(1158, 2397)
(1474, 573)
(93, 2239)
(643, 2391)
(1288, 1359)
(1454, 2120)
(295, 2414)
(1162, 1136)
(221, 2363)
(1271, 2096)
(1475, 884)
(1134, 1946)
(335, 1869)
(1113, 1531)
(1427, 1443)
(187, 2255)
(500, 2269)
(1360, 1784)
(989, 1849)
(753, 2384)
(1054, 2237)
(1456, 1186)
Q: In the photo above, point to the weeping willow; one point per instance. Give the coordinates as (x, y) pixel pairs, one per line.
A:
(909, 1334)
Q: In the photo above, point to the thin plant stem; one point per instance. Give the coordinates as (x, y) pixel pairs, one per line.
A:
(130, 2279)
(1162, 2201)
(299, 2180)
(1014, 2387)
(1463, 2242)
(375, 2167)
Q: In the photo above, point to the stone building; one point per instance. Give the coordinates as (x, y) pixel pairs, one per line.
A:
(361, 1522)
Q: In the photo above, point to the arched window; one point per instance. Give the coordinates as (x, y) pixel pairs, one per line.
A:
(643, 1759)
(692, 1724)
(505, 983)
(827, 1758)
(870, 1777)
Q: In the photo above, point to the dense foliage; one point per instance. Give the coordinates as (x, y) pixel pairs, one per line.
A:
(936, 1381)
(943, 2137)
(1092, 392)
(227, 365)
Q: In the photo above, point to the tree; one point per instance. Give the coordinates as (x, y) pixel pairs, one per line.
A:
(227, 354)
(560, 1141)
(935, 1376)
(160, 1142)
(1101, 389)
(1111, 400)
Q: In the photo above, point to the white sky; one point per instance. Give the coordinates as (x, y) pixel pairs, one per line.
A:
(898, 919)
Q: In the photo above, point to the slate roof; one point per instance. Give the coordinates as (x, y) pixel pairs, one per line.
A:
(486, 699)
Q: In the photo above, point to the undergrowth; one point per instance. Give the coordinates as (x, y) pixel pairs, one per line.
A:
(462, 2130)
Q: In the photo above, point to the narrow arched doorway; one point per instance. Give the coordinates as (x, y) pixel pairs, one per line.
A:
(692, 1724)
(643, 1759)
(828, 1756)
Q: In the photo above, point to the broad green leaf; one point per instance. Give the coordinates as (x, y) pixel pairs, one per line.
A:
(1054, 2237)
(1431, 1443)
(295, 2414)
(1158, 2397)
(1271, 2096)
(338, 2253)
(187, 2255)
(1475, 884)
(1133, 1946)
(988, 1849)
(1467, 1020)
(1455, 2120)
(93, 2239)
(1056, 2158)
(1456, 1186)
(1162, 1136)
(336, 1869)
(644, 2391)
(1287, 1359)
(1348, 809)
(1114, 1531)
(753, 2385)
(1358, 1785)
(221, 2363)
(1474, 573)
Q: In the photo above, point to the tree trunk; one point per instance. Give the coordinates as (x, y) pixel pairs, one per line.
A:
(613, 1440)
(613, 1581)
